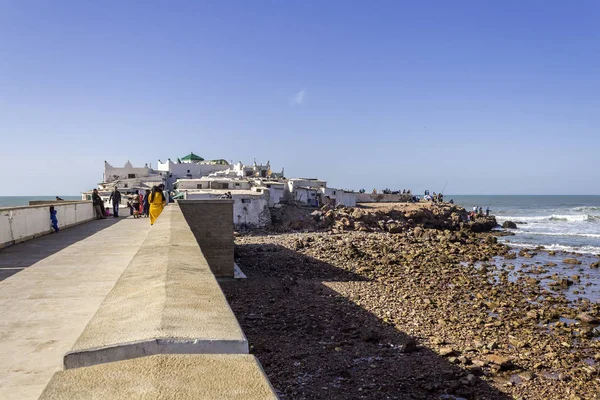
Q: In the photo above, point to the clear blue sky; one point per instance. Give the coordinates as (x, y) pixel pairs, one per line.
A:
(492, 97)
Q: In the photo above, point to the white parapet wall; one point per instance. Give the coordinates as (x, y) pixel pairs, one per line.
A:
(18, 224)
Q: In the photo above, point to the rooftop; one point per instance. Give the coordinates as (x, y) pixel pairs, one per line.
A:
(192, 157)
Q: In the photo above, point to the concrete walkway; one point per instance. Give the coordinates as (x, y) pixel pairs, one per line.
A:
(62, 279)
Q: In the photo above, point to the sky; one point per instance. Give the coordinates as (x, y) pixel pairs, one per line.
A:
(474, 96)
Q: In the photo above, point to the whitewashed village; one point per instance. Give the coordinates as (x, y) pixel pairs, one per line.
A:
(254, 188)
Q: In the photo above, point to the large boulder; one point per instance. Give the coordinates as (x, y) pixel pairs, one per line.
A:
(509, 225)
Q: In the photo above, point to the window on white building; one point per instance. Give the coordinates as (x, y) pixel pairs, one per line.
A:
(246, 201)
(130, 176)
(199, 186)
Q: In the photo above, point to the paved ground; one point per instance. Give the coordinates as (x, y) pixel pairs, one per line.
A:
(61, 281)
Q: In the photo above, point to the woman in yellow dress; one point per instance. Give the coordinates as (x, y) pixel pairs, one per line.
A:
(157, 203)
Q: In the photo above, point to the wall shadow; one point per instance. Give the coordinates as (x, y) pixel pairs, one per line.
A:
(316, 344)
(15, 258)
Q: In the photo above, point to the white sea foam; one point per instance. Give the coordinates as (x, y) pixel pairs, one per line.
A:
(560, 247)
(587, 208)
(588, 235)
(553, 217)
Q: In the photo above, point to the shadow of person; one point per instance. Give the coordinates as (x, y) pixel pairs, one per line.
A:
(314, 343)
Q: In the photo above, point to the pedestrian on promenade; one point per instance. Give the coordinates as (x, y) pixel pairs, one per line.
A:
(115, 197)
(53, 219)
(98, 204)
(147, 203)
(157, 203)
(136, 205)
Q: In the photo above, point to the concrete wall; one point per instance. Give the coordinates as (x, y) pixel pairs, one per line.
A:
(382, 198)
(18, 224)
(210, 221)
(249, 207)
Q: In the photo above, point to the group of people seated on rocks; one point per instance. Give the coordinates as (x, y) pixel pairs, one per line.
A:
(435, 197)
(478, 211)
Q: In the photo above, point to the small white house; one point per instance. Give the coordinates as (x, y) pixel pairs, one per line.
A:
(249, 207)
(338, 196)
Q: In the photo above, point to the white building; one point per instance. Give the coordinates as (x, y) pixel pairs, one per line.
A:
(336, 197)
(240, 170)
(250, 207)
(212, 183)
(190, 167)
(128, 171)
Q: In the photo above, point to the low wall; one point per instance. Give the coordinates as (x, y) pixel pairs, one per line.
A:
(210, 221)
(18, 224)
(165, 330)
(166, 302)
(382, 198)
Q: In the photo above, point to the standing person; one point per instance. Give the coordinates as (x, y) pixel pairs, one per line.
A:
(136, 205)
(487, 211)
(115, 197)
(142, 198)
(157, 203)
(98, 204)
(53, 219)
(147, 203)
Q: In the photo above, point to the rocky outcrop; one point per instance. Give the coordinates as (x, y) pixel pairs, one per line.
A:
(509, 225)
(442, 217)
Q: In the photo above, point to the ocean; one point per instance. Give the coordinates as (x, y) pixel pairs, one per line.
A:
(15, 201)
(565, 223)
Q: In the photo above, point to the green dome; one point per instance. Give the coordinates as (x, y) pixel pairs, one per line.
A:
(192, 157)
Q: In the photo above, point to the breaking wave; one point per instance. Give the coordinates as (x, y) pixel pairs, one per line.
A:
(560, 247)
(553, 217)
(587, 208)
(588, 235)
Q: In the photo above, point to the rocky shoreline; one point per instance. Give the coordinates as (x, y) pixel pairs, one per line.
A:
(406, 302)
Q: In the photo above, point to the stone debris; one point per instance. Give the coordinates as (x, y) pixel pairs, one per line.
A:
(381, 304)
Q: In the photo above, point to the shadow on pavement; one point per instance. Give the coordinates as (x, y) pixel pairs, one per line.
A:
(16, 258)
(316, 344)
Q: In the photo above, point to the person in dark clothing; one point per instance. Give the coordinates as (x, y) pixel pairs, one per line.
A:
(53, 219)
(115, 197)
(59, 199)
(98, 204)
(147, 203)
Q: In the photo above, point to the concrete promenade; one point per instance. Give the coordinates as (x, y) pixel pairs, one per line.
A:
(52, 286)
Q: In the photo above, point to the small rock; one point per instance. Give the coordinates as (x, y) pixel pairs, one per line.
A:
(571, 261)
(409, 347)
(503, 362)
(587, 318)
(447, 352)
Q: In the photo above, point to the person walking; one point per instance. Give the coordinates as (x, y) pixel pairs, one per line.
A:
(157, 203)
(147, 203)
(115, 197)
(53, 219)
(136, 205)
(98, 204)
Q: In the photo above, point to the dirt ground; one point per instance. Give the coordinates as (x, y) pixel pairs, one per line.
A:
(391, 309)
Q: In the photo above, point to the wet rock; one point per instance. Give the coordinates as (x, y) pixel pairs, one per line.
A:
(571, 261)
(509, 225)
(595, 265)
(587, 318)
